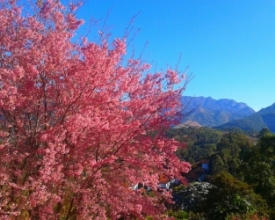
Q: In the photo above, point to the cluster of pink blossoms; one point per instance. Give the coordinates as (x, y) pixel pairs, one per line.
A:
(77, 127)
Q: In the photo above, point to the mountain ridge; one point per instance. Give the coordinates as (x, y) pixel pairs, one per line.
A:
(265, 118)
(209, 112)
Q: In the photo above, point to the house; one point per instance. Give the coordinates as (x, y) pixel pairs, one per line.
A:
(204, 164)
(164, 183)
(199, 171)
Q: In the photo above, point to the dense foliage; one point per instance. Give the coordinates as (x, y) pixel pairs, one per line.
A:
(201, 142)
(240, 182)
(79, 125)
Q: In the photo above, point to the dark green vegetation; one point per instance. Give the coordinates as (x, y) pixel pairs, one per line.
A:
(201, 142)
(239, 181)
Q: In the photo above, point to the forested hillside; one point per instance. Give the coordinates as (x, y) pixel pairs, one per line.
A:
(233, 175)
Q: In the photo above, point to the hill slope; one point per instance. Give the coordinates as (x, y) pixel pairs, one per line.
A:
(265, 118)
(209, 112)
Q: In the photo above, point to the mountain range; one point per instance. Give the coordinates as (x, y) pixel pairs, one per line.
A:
(265, 118)
(226, 114)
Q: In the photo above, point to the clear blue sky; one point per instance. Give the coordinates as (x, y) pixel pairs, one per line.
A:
(229, 45)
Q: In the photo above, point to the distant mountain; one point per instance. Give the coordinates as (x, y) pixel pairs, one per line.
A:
(265, 118)
(209, 112)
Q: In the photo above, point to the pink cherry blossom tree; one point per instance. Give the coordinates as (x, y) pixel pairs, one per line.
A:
(79, 127)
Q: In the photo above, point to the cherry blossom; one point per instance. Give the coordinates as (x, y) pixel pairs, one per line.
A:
(79, 127)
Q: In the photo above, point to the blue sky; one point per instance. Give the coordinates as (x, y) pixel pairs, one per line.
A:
(229, 45)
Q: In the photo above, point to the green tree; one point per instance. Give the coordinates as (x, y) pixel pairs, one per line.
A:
(232, 149)
(263, 132)
(232, 196)
(224, 195)
(201, 142)
(258, 169)
(217, 165)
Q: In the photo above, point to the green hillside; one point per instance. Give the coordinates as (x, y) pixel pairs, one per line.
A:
(265, 118)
